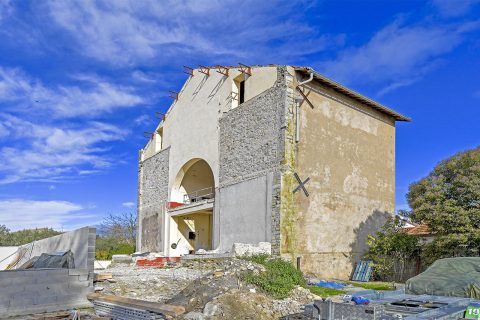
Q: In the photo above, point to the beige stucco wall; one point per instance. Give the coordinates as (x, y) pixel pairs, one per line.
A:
(349, 156)
(180, 226)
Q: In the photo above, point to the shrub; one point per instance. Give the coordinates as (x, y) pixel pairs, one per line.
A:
(279, 278)
(107, 246)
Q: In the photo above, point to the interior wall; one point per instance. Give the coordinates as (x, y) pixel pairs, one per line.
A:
(193, 177)
(200, 224)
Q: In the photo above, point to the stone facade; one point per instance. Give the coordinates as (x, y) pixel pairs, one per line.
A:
(252, 140)
(339, 139)
(153, 192)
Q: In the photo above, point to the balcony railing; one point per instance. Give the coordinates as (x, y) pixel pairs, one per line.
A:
(199, 195)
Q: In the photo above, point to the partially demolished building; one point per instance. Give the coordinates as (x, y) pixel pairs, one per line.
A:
(276, 154)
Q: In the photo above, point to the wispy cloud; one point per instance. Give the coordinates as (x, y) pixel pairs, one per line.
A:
(23, 214)
(33, 152)
(129, 32)
(6, 9)
(398, 55)
(454, 8)
(93, 97)
(129, 204)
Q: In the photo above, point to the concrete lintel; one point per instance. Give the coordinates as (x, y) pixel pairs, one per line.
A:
(192, 208)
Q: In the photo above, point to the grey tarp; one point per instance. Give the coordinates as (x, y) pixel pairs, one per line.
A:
(55, 260)
(457, 277)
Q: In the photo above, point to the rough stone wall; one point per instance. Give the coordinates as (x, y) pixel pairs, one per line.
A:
(252, 144)
(287, 217)
(153, 195)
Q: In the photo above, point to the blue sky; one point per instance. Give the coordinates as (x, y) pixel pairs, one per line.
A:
(80, 81)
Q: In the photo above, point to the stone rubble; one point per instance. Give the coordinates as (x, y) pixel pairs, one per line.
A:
(208, 289)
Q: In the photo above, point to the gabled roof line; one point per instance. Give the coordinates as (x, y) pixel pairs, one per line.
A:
(353, 94)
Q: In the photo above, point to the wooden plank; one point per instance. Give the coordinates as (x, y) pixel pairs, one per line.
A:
(102, 276)
(166, 309)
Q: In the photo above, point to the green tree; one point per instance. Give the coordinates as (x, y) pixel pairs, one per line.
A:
(391, 250)
(4, 235)
(448, 201)
(20, 237)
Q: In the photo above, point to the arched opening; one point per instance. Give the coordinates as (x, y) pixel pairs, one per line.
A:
(191, 208)
(194, 182)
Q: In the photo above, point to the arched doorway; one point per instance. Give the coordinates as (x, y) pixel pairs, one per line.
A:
(191, 216)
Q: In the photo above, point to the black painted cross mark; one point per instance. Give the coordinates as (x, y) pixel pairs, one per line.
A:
(301, 185)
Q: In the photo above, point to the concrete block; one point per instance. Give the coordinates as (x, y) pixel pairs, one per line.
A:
(77, 272)
(24, 300)
(79, 283)
(121, 258)
(45, 299)
(4, 302)
(83, 277)
(52, 279)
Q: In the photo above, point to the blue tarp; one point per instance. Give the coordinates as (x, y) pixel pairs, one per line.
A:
(331, 284)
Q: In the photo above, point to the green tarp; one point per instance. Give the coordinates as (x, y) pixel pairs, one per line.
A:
(454, 277)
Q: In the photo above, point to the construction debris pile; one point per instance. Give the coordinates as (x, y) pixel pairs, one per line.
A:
(207, 289)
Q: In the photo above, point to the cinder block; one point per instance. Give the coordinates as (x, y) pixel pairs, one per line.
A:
(7, 274)
(77, 272)
(83, 277)
(4, 302)
(75, 299)
(44, 299)
(25, 300)
(53, 279)
(57, 272)
(79, 284)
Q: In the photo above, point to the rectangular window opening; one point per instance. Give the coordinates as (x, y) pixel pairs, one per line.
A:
(241, 93)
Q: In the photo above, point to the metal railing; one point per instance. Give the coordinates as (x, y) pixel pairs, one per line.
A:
(199, 195)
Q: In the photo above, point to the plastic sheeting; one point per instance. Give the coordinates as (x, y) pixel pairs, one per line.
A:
(51, 260)
(454, 277)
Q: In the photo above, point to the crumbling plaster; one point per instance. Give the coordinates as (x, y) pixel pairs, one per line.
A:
(348, 151)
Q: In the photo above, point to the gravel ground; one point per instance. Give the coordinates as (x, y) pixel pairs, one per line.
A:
(208, 289)
(151, 284)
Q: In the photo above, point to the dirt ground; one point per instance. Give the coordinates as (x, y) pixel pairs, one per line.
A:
(208, 289)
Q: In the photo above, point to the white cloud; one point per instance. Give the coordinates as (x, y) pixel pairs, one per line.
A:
(49, 153)
(129, 204)
(19, 214)
(397, 55)
(454, 8)
(140, 120)
(128, 32)
(95, 96)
